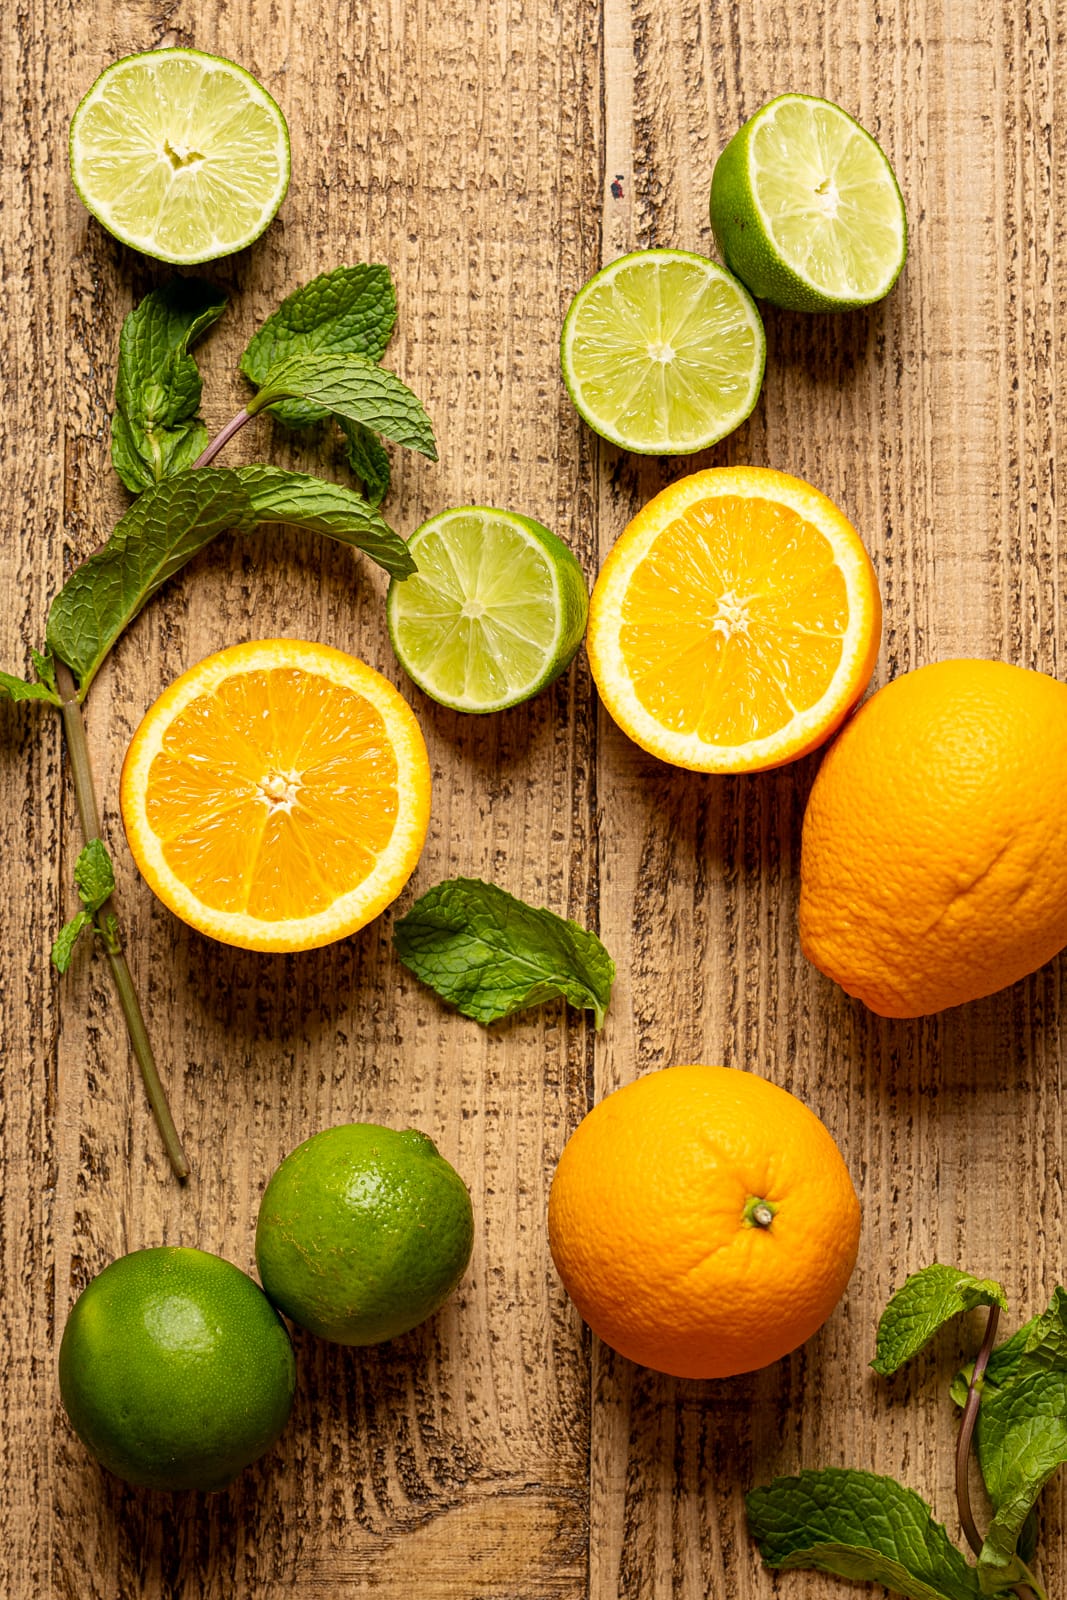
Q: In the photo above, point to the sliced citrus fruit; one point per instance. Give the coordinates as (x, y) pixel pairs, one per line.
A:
(495, 612)
(735, 622)
(806, 210)
(277, 795)
(663, 352)
(181, 155)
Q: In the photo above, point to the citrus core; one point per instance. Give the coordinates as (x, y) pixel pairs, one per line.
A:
(703, 1221)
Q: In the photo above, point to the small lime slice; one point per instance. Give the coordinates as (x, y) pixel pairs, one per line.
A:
(806, 210)
(495, 612)
(663, 352)
(181, 155)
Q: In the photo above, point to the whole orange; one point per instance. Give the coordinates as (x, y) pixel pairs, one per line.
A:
(934, 860)
(703, 1221)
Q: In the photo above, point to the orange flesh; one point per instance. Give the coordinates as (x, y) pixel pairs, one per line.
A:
(275, 794)
(734, 621)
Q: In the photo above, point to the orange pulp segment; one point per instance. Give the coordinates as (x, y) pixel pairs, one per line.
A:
(735, 622)
(277, 795)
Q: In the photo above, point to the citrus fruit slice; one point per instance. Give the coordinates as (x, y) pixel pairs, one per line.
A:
(495, 612)
(663, 352)
(806, 210)
(277, 795)
(175, 1369)
(735, 622)
(703, 1221)
(181, 155)
(363, 1233)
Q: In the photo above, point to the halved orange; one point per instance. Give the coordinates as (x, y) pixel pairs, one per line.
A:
(735, 622)
(277, 795)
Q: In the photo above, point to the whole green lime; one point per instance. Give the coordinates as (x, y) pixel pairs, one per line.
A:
(175, 1369)
(363, 1233)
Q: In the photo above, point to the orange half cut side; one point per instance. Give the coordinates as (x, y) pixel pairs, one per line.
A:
(736, 621)
(277, 795)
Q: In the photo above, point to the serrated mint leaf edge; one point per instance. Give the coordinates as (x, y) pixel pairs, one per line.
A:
(94, 875)
(19, 689)
(353, 387)
(923, 1304)
(289, 497)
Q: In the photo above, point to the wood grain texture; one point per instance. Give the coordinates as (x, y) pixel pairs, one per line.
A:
(499, 1452)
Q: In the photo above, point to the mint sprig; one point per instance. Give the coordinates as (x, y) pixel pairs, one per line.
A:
(94, 879)
(490, 955)
(1014, 1399)
(316, 357)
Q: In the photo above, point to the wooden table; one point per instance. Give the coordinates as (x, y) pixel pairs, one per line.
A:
(494, 153)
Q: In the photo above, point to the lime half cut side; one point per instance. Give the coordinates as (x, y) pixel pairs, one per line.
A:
(495, 612)
(663, 352)
(806, 210)
(180, 155)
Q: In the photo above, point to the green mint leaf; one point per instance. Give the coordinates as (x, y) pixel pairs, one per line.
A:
(67, 938)
(18, 689)
(94, 876)
(350, 311)
(352, 387)
(45, 668)
(489, 954)
(859, 1526)
(155, 431)
(368, 458)
(1021, 1433)
(326, 508)
(160, 532)
(1002, 1365)
(922, 1305)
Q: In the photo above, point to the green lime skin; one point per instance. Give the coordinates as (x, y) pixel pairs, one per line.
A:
(363, 1233)
(741, 236)
(175, 1370)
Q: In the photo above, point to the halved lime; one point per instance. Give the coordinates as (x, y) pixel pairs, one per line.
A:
(495, 612)
(181, 155)
(663, 352)
(806, 210)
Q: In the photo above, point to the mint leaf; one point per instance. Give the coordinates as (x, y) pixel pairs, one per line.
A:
(353, 387)
(490, 955)
(94, 876)
(1021, 1432)
(19, 689)
(1002, 1365)
(368, 458)
(922, 1305)
(157, 536)
(45, 668)
(326, 508)
(67, 938)
(350, 311)
(155, 431)
(861, 1526)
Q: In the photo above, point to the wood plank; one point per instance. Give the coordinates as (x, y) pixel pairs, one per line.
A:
(931, 421)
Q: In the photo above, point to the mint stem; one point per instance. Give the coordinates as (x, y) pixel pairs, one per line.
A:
(222, 438)
(963, 1443)
(89, 814)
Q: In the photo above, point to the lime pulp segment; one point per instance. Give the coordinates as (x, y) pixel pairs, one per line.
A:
(495, 611)
(663, 352)
(181, 155)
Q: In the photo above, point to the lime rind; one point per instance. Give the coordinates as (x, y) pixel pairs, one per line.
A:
(180, 155)
(663, 352)
(806, 208)
(495, 612)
